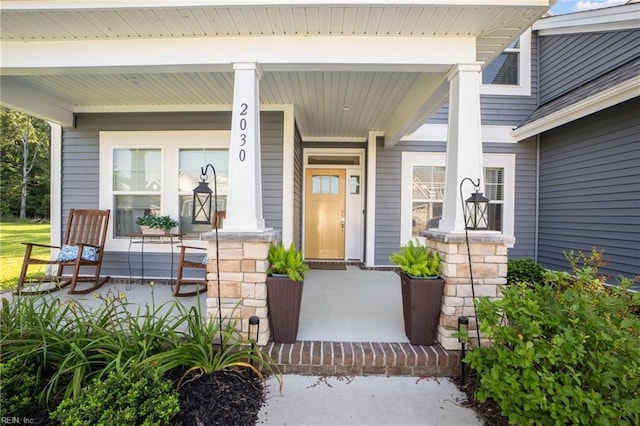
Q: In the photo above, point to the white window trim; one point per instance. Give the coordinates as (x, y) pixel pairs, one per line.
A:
(170, 142)
(524, 73)
(411, 159)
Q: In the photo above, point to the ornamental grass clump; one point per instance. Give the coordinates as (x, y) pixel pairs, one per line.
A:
(564, 351)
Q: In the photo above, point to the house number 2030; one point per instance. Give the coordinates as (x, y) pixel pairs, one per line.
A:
(242, 155)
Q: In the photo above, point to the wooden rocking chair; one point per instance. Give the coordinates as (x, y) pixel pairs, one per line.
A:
(200, 283)
(82, 247)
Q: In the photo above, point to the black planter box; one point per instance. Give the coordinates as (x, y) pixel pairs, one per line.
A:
(421, 304)
(284, 298)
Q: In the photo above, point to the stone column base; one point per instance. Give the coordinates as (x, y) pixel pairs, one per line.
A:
(243, 275)
(489, 262)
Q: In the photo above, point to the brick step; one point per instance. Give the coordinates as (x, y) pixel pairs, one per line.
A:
(363, 358)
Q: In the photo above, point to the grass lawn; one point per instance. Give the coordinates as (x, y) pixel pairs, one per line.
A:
(12, 234)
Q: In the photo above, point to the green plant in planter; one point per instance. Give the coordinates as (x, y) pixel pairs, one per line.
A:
(286, 261)
(153, 221)
(417, 261)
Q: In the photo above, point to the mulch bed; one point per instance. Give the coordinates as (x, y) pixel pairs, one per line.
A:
(488, 410)
(222, 398)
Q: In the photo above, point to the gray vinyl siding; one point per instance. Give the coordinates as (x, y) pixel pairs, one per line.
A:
(589, 186)
(388, 194)
(525, 193)
(596, 54)
(80, 167)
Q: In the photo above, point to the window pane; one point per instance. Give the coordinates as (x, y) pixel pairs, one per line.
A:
(354, 185)
(495, 217)
(136, 170)
(334, 185)
(494, 188)
(503, 70)
(189, 175)
(129, 207)
(494, 183)
(428, 183)
(316, 184)
(422, 213)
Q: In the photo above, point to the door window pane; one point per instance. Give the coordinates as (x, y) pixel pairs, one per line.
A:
(325, 184)
(354, 185)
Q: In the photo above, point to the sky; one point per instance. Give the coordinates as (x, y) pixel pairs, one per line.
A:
(568, 6)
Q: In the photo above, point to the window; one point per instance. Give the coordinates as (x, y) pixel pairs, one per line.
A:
(504, 69)
(155, 172)
(423, 180)
(494, 191)
(510, 72)
(428, 192)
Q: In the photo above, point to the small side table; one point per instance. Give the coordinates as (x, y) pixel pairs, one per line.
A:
(144, 239)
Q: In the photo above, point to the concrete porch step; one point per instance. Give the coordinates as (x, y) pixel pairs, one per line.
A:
(363, 358)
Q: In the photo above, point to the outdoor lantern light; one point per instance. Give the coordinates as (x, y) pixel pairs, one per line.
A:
(476, 208)
(254, 330)
(203, 198)
(463, 327)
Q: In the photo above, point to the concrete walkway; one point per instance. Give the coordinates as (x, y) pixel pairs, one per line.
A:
(366, 401)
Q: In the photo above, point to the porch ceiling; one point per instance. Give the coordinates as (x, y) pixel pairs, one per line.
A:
(336, 97)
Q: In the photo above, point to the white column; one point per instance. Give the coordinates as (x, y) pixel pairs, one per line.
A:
(244, 197)
(464, 143)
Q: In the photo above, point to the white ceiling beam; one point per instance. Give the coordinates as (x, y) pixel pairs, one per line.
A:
(114, 56)
(21, 97)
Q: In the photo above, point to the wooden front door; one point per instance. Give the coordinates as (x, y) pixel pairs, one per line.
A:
(324, 214)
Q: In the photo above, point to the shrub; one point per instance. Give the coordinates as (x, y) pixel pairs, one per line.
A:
(18, 387)
(562, 353)
(524, 271)
(138, 396)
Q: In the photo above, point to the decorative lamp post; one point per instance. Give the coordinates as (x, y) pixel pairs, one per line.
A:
(201, 214)
(475, 211)
(203, 198)
(463, 327)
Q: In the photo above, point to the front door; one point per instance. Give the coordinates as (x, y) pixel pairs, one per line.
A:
(324, 214)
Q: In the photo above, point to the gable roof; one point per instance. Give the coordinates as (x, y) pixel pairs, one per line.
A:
(603, 92)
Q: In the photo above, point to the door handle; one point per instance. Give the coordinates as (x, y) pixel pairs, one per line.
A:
(342, 220)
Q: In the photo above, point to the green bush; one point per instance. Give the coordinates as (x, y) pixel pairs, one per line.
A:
(564, 352)
(18, 387)
(524, 271)
(138, 396)
(288, 261)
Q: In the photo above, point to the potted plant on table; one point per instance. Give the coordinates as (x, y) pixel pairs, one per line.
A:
(422, 290)
(156, 225)
(285, 279)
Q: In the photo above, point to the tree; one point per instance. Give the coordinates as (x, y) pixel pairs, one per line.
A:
(24, 155)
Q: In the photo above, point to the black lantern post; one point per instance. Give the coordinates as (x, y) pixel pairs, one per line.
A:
(201, 214)
(463, 327)
(475, 212)
(476, 208)
(203, 198)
